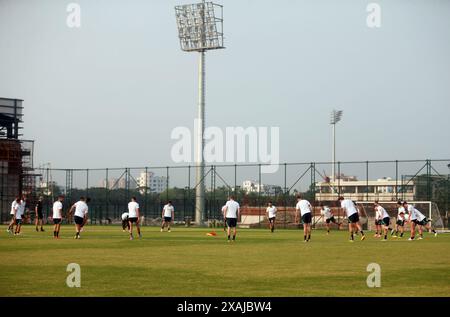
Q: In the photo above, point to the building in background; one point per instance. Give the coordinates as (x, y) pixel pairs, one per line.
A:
(16, 156)
(265, 189)
(151, 183)
(114, 183)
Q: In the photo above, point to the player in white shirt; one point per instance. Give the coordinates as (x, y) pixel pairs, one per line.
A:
(125, 222)
(326, 212)
(417, 218)
(57, 216)
(400, 224)
(133, 217)
(19, 215)
(168, 214)
(378, 222)
(304, 208)
(231, 214)
(385, 219)
(271, 212)
(81, 214)
(14, 208)
(351, 211)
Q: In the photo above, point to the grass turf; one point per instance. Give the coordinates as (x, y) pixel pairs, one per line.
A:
(186, 262)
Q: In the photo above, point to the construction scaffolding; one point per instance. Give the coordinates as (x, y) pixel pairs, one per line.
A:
(16, 157)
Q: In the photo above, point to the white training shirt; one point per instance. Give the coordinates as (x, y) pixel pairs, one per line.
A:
(419, 215)
(304, 206)
(326, 212)
(21, 208)
(382, 213)
(125, 216)
(81, 209)
(401, 210)
(411, 211)
(272, 211)
(349, 207)
(57, 209)
(232, 209)
(14, 207)
(168, 210)
(133, 209)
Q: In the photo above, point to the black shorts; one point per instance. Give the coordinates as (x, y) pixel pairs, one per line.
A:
(56, 221)
(78, 220)
(271, 220)
(400, 223)
(40, 215)
(386, 221)
(306, 218)
(18, 221)
(132, 220)
(331, 220)
(423, 222)
(378, 222)
(167, 219)
(415, 221)
(353, 218)
(231, 222)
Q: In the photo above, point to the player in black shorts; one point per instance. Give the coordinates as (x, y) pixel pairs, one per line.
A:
(39, 215)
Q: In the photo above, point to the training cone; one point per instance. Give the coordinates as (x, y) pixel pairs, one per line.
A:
(211, 234)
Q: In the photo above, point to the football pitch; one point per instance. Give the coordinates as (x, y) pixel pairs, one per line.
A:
(186, 262)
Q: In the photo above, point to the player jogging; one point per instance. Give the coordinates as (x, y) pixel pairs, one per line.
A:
(231, 213)
(271, 215)
(304, 207)
(80, 217)
(18, 216)
(133, 217)
(350, 210)
(125, 222)
(57, 216)
(384, 218)
(326, 212)
(168, 215)
(14, 207)
(400, 224)
(39, 215)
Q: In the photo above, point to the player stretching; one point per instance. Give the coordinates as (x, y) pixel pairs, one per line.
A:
(304, 207)
(400, 224)
(271, 215)
(231, 213)
(167, 215)
(39, 215)
(352, 216)
(417, 218)
(57, 216)
(384, 219)
(80, 216)
(133, 217)
(125, 222)
(326, 212)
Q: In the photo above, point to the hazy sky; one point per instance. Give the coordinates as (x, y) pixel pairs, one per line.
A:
(110, 93)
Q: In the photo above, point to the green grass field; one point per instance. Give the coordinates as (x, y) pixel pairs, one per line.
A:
(186, 262)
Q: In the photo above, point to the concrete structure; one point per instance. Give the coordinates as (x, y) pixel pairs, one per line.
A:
(265, 189)
(385, 189)
(153, 183)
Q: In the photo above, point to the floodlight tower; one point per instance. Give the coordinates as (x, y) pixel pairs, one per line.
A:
(336, 116)
(200, 28)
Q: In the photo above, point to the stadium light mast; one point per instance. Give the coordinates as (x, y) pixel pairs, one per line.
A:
(200, 28)
(336, 116)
